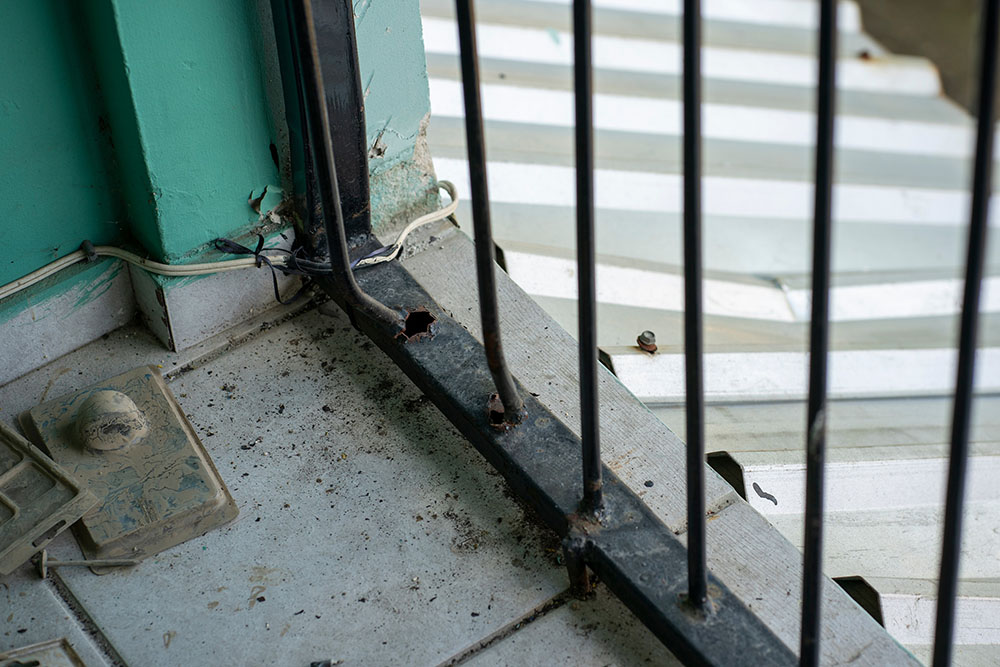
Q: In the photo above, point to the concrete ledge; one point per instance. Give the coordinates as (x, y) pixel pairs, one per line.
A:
(186, 311)
(62, 313)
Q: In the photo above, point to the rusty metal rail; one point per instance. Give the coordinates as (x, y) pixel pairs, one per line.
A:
(604, 525)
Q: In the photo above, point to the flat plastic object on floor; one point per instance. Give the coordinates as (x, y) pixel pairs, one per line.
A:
(53, 653)
(127, 440)
(38, 500)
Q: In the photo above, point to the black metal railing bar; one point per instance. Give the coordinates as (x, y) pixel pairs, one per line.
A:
(812, 565)
(694, 390)
(318, 127)
(661, 614)
(593, 499)
(513, 405)
(975, 259)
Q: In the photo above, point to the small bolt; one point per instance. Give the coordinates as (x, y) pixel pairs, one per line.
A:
(647, 341)
(44, 563)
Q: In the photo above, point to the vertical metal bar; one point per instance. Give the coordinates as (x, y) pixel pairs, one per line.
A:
(325, 168)
(333, 21)
(694, 400)
(574, 548)
(485, 257)
(812, 568)
(958, 461)
(310, 225)
(593, 495)
(337, 47)
(291, 80)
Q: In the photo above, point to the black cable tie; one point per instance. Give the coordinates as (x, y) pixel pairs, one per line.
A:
(88, 248)
(295, 265)
(257, 255)
(231, 247)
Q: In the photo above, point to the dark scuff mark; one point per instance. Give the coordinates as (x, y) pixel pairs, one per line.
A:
(161, 299)
(763, 494)
(104, 128)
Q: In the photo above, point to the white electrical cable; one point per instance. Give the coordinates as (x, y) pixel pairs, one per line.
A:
(213, 267)
(397, 245)
(147, 264)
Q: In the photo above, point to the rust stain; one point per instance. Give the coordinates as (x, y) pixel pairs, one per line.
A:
(497, 417)
(48, 387)
(621, 461)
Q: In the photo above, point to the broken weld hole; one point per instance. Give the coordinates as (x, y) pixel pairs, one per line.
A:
(494, 410)
(498, 417)
(417, 325)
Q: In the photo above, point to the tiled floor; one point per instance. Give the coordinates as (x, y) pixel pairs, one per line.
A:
(369, 530)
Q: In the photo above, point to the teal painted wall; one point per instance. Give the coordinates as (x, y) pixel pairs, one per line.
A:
(397, 105)
(394, 78)
(152, 121)
(145, 118)
(55, 183)
(189, 115)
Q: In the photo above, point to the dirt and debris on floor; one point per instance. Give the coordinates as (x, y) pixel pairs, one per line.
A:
(369, 529)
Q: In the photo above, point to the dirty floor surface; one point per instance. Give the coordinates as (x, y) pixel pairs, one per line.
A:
(370, 531)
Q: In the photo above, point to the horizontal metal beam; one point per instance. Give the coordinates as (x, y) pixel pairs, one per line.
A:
(631, 550)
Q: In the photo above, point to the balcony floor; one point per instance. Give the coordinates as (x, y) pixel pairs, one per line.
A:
(369, 532)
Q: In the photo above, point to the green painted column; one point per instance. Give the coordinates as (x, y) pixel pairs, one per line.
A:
(149, 123)
(184, 83)
(394, 78)
(55, 184)
(397, 108)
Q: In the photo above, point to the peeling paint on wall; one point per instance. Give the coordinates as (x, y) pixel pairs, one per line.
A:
(407, 190)
(79, 284)
(394, 75)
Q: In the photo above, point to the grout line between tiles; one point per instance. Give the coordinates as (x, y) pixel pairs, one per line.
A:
(499, 635)
(86, 622)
